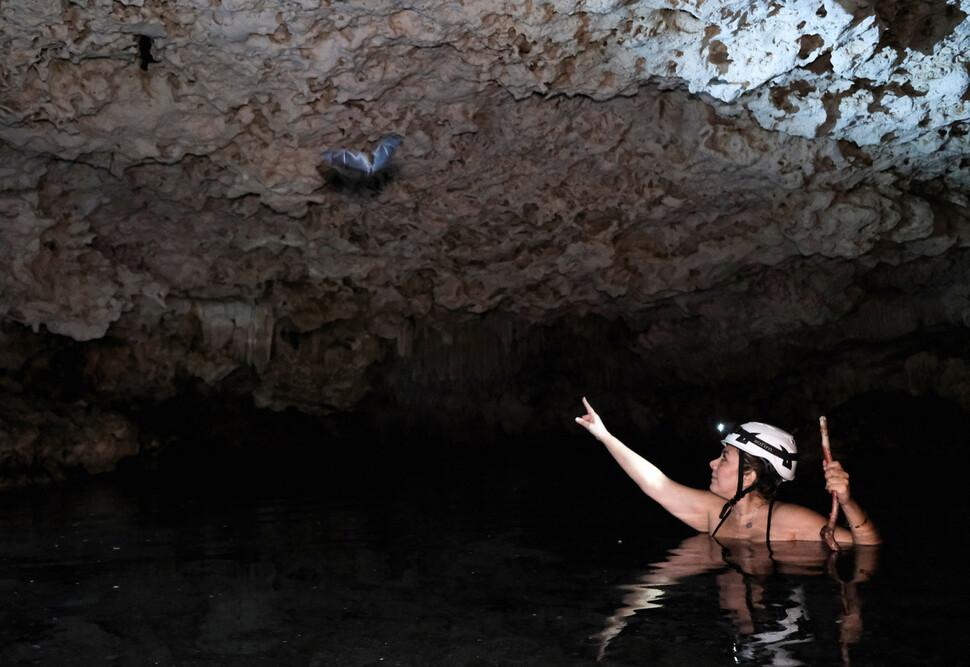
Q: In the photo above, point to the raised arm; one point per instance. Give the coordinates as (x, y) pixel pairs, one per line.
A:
(692, 506)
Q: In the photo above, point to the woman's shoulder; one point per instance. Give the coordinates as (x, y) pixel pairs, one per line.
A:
(794, 522)
(794, 510)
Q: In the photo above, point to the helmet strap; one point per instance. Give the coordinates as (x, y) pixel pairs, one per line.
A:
(741, 493)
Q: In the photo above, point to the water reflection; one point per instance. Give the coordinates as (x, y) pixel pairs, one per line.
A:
(111, 573)
(770, 594)
(99, 575)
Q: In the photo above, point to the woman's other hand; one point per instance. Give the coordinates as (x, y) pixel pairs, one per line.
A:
(837, 481)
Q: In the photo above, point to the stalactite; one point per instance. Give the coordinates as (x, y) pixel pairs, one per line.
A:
(243, 329)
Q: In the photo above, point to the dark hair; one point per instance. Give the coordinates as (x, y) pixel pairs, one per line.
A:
(768, 480)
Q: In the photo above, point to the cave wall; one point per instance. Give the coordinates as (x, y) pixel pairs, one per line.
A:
(649, 199)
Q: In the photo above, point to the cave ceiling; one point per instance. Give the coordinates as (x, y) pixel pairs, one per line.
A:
(721, 179)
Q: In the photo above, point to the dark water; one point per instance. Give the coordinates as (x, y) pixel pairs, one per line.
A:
(548, 561)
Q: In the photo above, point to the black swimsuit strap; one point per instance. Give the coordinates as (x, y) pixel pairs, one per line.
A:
(729, 506)
(771, 506)
(741, 493)
(724, 515)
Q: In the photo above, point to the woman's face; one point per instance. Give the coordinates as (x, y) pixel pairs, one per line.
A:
(724, 475)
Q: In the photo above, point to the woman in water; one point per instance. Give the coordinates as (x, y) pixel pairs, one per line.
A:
(740, 502)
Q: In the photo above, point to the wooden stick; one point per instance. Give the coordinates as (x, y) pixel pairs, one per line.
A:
(828, 530)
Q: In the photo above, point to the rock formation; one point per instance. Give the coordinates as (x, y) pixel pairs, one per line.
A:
(648, 199)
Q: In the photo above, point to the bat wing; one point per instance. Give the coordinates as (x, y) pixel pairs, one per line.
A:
(385, 150)
(348, 162)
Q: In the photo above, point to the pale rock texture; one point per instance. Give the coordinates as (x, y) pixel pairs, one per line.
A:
(682, 193)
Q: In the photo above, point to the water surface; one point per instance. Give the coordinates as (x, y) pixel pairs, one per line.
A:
(508, 562)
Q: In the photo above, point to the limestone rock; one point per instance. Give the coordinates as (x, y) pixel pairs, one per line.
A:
(703, 178)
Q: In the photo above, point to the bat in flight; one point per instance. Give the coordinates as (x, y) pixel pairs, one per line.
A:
(352, 163)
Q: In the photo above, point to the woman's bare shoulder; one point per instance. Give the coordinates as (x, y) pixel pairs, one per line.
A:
(698, 508)
(794, 522)
(796, 511)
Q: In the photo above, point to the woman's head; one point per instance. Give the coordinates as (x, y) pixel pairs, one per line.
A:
(767, 482)
(775, 447)
(756, 474)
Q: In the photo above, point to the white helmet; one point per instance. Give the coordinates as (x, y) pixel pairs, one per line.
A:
(767, 442)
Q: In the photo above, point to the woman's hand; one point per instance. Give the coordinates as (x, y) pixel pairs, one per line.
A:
(837, 481)
(592, 422)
